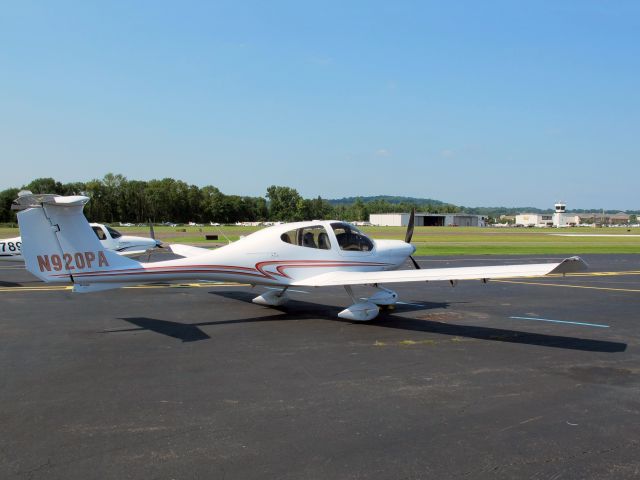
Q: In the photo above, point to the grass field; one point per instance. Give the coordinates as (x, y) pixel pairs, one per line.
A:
(438, 240)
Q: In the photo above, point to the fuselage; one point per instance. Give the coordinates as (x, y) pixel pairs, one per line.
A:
(278, 255)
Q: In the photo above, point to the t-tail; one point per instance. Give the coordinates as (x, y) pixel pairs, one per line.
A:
(58, 243)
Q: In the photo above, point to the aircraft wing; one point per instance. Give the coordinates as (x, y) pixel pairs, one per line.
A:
(188, 250)
(569, 265)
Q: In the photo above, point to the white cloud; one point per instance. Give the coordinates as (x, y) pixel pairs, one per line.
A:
(383, 152)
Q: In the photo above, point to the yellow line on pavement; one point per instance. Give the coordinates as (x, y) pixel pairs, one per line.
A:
(191, 285)
(569, 286)
(34, 289)
(61, 288)
(597, 274)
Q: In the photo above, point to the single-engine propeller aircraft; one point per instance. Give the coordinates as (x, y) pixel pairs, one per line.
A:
(59, 246)
(111, 239)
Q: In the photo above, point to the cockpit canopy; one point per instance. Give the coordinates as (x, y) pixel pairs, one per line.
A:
(114, 233)
(349, 238)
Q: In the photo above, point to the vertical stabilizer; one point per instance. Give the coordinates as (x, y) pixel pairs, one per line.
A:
(58, 242)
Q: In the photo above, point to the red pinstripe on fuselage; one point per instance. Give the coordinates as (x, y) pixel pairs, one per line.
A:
(257, 274)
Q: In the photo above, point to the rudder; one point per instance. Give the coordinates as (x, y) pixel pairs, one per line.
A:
(58, 241)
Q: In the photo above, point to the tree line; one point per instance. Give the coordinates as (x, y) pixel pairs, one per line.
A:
(114, 198)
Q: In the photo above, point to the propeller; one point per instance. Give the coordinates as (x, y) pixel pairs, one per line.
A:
(409, 234)
(159, 245)
(152, 234)
(412, 219)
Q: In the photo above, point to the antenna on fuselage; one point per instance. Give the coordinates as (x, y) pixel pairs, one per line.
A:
(222, 233)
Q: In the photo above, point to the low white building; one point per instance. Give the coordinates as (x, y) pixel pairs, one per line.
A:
(427, 220)
(534, 220)
(557, 219)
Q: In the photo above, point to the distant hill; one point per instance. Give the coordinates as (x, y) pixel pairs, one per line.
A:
(488, 211)
(388, 198)
(496, 211)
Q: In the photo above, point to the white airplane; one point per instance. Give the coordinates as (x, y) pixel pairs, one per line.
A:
(60, 247)
(110, 238)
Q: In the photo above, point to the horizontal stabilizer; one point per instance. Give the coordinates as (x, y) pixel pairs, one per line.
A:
(26, 199)
(135, 253)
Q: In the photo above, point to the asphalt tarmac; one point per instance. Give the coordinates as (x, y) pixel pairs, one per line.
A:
(531, 378)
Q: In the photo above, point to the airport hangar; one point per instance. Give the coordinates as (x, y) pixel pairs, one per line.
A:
(427, 220)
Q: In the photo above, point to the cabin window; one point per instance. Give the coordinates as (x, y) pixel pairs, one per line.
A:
(311, 237)
(114, 233)
(289, 237)
(99, 233)
(351, 239)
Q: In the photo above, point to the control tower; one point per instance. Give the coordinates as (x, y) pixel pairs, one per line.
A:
(560, 217)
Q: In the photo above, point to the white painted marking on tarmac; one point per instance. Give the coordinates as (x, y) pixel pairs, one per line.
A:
(619, 235)
(584, 324)
(400, 303)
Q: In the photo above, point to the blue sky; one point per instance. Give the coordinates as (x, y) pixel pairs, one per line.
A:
(475, 103)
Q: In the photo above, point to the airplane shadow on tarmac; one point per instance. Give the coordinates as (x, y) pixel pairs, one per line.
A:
(300, 310)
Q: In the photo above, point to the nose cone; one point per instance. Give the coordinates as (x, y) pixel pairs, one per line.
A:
(396, 251)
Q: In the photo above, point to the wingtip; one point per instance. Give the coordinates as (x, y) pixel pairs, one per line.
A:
(571, 265)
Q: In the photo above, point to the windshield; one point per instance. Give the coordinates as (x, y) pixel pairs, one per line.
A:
(99, 233)
(114, 233)
(350, 238)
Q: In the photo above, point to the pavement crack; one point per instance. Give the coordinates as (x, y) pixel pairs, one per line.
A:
(28, 474)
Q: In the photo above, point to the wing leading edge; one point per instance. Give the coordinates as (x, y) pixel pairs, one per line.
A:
(569, 265)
